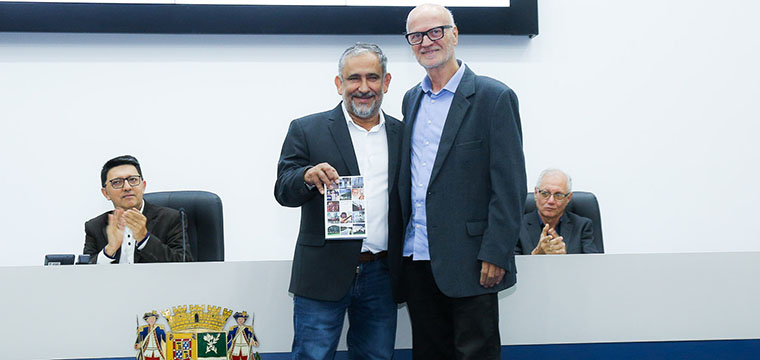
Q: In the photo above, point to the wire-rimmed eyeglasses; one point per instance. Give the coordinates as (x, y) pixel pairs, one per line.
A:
(557, 196)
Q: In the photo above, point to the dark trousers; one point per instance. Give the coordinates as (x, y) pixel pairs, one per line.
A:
(449, 328)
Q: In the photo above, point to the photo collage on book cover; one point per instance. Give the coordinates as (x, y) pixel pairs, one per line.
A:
(345, 209)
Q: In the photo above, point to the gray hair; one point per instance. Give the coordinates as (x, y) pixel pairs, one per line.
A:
(361, 48)
(553, 171)
(448, 12)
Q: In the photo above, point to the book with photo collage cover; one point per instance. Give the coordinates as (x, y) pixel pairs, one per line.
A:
(346, 209)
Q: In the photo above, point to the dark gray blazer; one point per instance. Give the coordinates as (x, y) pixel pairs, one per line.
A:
(577, 232)
(477, 187)
(164, 245)
(323, 269)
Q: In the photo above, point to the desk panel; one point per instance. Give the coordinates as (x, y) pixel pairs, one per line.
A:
(88, 311)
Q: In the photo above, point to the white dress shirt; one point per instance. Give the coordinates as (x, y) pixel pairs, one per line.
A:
(127, 247)
(371, 150)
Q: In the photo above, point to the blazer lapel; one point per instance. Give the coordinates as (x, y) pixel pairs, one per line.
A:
(392, 132)
(457, 111)
(105, 233)
(339, 130)
(149, 211)
(409, 118)
(534, 230)
(567, 226)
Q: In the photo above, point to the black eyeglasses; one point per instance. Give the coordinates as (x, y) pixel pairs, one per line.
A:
(118, 183)
(557, 196)
(433, 34)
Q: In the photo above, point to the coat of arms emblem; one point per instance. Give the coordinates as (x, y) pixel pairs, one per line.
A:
(196, 333)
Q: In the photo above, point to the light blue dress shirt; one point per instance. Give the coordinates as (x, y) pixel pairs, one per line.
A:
(426, 136)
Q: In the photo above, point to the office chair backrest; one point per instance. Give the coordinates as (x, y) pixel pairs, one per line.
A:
(584, 204)
(205, 225)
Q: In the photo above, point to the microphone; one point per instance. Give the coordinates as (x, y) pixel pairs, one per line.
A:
(128, 236)
(184, 235)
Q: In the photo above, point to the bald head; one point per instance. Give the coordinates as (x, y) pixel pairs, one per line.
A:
(430, 10)
(436, 36)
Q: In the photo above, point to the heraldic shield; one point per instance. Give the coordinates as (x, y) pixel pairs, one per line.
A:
(196, 333)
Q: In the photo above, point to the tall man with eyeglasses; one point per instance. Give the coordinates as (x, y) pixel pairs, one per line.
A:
(462, 189)
(134, 231)
(550, 229)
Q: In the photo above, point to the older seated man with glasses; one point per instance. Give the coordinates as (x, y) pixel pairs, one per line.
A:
(135, 231)
(550, 229)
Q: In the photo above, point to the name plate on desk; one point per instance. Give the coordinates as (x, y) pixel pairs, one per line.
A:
(59, 259)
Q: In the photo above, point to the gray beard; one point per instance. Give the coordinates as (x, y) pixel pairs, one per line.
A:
(365, 113)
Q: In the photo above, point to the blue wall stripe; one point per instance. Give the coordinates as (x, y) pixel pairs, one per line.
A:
(670, 350)
(666, 350)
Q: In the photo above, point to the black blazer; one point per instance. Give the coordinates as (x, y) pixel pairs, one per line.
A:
(577, 231)
(164, 245)
(477, 188)
(323, 269)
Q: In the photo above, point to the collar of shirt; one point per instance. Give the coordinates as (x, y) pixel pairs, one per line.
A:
(451, 86)
(351, 122)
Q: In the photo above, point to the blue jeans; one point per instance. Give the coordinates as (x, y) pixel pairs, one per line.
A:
(371, 315)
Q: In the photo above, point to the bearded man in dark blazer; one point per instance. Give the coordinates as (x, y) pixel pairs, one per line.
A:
(335, 276)
(550, 229)
(135, 231)
(462, 189)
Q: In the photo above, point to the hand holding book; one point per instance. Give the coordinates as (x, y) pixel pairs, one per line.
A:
(321, 174)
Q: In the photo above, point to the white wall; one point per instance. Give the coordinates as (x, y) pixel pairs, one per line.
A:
(648, 104)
